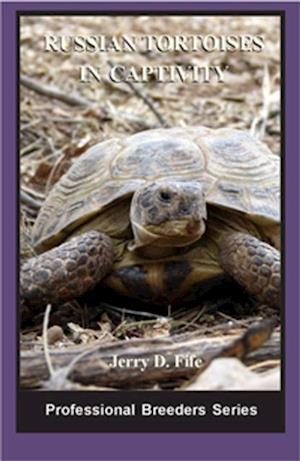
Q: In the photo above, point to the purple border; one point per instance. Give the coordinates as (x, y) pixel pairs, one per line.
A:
(150, 446)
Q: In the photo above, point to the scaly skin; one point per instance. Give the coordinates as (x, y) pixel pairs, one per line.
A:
(75, 267)
(66, 272)
(253, 264)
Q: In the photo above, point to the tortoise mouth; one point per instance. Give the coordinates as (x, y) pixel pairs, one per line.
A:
(175, 233)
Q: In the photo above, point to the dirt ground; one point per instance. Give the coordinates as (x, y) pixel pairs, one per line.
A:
(55, 130)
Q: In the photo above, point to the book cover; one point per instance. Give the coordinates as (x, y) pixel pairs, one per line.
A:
(149, 230)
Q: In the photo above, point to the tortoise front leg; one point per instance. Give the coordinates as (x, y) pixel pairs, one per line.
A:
(67, 271)
(253, 264)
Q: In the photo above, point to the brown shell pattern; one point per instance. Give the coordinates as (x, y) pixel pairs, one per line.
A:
(237, 172)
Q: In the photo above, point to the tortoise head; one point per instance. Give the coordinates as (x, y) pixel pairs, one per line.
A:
(168, 213)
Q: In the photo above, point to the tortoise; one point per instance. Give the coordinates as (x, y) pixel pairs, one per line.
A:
(157, 216)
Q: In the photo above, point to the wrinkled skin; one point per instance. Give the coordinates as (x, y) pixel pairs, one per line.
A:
(167, 217)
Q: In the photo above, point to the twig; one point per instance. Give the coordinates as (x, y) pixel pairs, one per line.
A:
(133, 312)
(45, 340)
(52, 92)
(39, 196)
(59, 379)
(30, 148)
(266, 100)
(258, 126)
(265, 364)
(141, 95)
(129, 325)
(53, 171)
(27, 200)
(87, 371)
(231, 319)
(77, 100)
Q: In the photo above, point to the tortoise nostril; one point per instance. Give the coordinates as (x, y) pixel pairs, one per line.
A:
(165, 196)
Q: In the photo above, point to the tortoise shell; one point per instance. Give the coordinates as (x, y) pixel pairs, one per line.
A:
(237, 172)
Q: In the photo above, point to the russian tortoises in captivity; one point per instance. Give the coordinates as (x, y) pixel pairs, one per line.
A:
(159, 215)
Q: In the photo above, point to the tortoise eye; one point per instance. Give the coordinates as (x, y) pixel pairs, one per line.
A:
(165, 196)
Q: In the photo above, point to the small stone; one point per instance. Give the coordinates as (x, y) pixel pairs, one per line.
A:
(55, 333)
